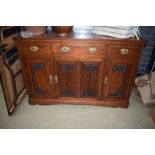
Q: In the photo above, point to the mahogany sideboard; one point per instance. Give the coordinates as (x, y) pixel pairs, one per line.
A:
(79, 68)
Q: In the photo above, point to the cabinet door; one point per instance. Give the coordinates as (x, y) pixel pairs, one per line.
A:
(66, 78)
(119, 79)
(91, 75)
(39, 72)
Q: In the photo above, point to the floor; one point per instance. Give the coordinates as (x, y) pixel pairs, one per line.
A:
(136, 116)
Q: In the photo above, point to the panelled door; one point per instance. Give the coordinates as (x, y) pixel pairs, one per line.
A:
(39, 73)
(118, 79)
(66, 78)
(90, 78)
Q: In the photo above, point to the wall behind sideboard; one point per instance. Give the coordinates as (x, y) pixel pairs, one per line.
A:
(147, 33)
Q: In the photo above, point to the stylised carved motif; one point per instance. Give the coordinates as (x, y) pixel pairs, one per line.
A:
(124, 70)
(120, 68)
(34, 67)
(67, 68)
(88, 93)
(67, 93)
(90, 68)
(118, 93)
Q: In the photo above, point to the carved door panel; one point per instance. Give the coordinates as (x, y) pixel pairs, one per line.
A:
(118, 79)
(39, 76)
(66, 78)
(91, 73)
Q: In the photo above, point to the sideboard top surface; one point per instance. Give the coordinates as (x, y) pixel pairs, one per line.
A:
(49, 35)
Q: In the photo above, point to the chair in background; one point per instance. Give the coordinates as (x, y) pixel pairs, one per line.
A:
(10, 69)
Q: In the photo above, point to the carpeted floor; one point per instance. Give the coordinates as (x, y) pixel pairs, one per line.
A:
(136, 116)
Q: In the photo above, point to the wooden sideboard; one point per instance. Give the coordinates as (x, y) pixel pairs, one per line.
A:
(79, 68)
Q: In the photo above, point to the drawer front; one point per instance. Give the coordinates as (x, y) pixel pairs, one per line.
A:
(79, 50)
(35, 48)
(124, 51)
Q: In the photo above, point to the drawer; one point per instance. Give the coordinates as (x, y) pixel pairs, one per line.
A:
(79, 50)
(124, 51)
(35, 48)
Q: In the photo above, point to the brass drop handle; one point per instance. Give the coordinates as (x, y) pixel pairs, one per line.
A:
(92, 50)
(51, 78)
(124, 51)
(105, 80)
(65, 49)
(34, 48)
(56, 79)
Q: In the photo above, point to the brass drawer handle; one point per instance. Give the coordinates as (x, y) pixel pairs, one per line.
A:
(34, 48)
(65, 49)
(124, 51)
(92, 50)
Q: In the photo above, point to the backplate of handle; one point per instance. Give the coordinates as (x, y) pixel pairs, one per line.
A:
(124, 51)
(65, 49)
(34, 48)
(92, 50)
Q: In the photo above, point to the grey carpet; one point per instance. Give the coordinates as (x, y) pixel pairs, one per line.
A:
(136, 116)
